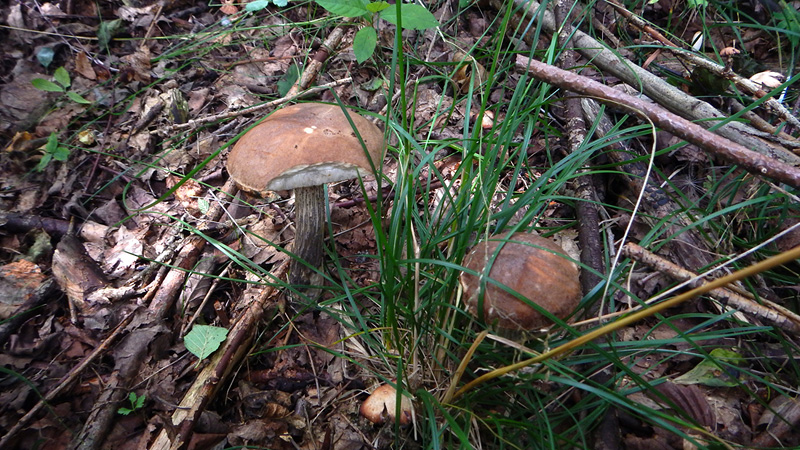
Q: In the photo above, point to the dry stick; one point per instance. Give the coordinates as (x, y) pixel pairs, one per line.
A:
(753, 162)
(66, 381)
(586, 209)
(322, 54)
(133, 348)
(661, 210)
(777, 260)
(193, 123)
(672, 98)
(237, 344)
(769, 311)
(298, 90)
(745, 84)
(222, 362)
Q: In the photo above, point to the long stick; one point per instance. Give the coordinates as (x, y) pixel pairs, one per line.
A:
(757, 268)
(752, 161)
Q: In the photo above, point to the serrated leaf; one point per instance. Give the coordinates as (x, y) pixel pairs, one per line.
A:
(377, 6)
(415, 17)
(256, 6)
(347, 8)
(124, 411)
(77, 98)
(204, 340)
(62, 77)
(46, 85)
(364, 43)
(137, 401)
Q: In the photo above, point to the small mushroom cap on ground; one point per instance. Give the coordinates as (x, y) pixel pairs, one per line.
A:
(304, 145)
(381, 406)
(525, 265)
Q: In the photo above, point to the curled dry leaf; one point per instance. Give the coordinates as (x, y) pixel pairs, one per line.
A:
(381, 406)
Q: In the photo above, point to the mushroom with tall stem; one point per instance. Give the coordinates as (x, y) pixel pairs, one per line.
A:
(302, 147)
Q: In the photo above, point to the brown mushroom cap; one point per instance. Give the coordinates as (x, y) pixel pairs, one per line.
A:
(527, 264)
(304, 145)
(382, 405)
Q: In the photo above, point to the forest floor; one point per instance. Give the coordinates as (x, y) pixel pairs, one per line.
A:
(122, 234)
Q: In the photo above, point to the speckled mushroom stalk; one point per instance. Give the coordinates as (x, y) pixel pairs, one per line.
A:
(302, 147)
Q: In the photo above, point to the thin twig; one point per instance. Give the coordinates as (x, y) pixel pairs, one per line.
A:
(769, 311)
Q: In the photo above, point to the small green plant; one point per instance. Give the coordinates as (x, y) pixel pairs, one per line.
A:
(136, 401)
(414, 17)
(52, 151)
(61, 84)
(789, 20)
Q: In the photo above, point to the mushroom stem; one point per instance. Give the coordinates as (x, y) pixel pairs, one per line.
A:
(309, 238)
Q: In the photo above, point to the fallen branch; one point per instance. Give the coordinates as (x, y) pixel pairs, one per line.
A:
(298, 90)
(770, 312)
(681, 238)
(742, 83)
(672, 98)
(66, 381)
(145, 327)
(753, 162)
(194, 123)
(213, 375)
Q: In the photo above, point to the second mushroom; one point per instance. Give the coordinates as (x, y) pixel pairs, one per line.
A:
(302, 147)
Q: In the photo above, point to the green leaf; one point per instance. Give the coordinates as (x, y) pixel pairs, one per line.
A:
(62, 77)
(287, 80)
(364, 43)
(711, 373)
(61, 154)
(377, 6)
(347, 8)
(77, 98)
(124, 411)
(46, 85)
(137, 401)
(256, 6)
(43, 162)
(372, 85)
(415, 17)
(107, 30)
(52, 143)
(280, 3)
(204, 340)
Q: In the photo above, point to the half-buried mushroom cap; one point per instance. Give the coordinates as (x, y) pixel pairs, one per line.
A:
(533, 266)
(305, 145)
(381, 406)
